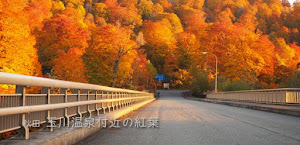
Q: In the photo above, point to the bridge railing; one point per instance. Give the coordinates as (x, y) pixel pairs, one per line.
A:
(283, 95)
(70, 99)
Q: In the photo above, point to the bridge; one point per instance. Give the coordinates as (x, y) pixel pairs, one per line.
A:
(168, 119)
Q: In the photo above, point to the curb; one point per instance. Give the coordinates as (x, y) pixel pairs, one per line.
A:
(254, 107)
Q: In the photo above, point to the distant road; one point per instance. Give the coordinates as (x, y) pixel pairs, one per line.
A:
(192, 122)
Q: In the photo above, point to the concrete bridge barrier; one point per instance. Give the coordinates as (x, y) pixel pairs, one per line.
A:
(70, 99)
(282, 96)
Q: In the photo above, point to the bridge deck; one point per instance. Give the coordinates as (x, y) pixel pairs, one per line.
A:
(184, 121)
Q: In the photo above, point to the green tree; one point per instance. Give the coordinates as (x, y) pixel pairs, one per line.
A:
(200, 83)
(295, 80)
(236, 85)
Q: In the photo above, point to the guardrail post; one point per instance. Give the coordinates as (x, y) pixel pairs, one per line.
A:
(127, 101)
(116, 102)
(110, 103)
(88, 98)
(113, 102)
(115, 94)
(65, 92)
(46, 90)
(121, 96)
(77, 91)
(97, 105)
(132, 95)
(133, 99)
(119, 100)
(102, 104)
(107, 103)
(285, 97)
(24, 130)
(122, 102)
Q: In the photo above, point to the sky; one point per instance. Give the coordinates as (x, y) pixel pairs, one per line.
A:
(291, 1)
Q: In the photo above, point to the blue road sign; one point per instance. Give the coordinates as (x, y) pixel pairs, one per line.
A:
(160, 77)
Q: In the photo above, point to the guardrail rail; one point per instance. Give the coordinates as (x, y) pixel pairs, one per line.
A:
(282, 96)
(72, 99)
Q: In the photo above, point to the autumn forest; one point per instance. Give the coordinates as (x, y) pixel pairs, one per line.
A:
(126, 43)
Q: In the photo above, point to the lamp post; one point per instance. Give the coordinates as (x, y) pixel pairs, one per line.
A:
(216, 80)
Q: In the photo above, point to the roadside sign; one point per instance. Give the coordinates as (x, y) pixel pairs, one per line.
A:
(166, 86)
(160, 77)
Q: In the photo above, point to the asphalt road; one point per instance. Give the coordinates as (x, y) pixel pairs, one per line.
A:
(184, 121)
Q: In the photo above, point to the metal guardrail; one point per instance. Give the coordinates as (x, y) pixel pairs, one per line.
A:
(73, 99)
(283, 95)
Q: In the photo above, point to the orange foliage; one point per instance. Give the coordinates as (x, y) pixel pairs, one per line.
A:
(91, 41)
(17, 52)
(60, 33)
(69, 66)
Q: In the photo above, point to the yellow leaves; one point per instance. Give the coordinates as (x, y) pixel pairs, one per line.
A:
(172, 19)
(7, 89)
(57, 6)
(264, 11)
(227, 28)
(18, 54)
(126, 16)
(276, 8)
(285, 55)
(228, 2)
(77, 14)
(241, 3)
(188, 49)
(226, 16)
(191, 18)
(184, 78)
(125, 67)
(157, 9)
(75, 2)
(101, 12)
(116, 49)
(242, 53)
(145, 8)
(116, 40)
(158, 33)
(1, 7)
(81, 10)
(280, 60)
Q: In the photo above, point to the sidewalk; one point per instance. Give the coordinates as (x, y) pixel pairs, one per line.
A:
(293, 110)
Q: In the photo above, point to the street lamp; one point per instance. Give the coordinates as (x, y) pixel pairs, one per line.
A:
(216, 80)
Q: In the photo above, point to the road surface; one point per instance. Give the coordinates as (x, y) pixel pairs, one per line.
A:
(184, 121)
